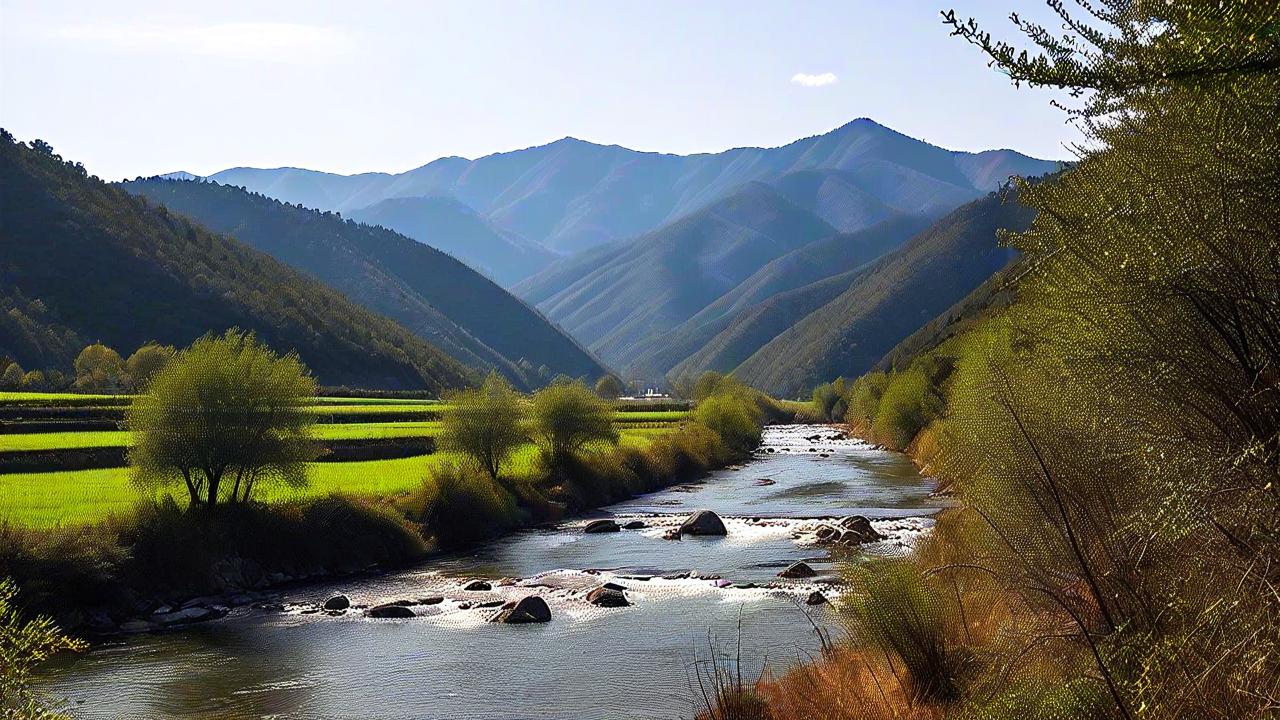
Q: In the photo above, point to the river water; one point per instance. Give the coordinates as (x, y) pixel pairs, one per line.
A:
(588, 662)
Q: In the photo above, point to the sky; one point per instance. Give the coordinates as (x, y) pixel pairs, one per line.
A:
(140, 87)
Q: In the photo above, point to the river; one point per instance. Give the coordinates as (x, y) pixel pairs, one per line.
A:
(588, 662)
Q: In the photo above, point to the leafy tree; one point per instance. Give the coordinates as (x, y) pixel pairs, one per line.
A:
(33, 380)
(146, 361)
(226, 409)
(734, 415)
(566, 416)
(98, 367)
(484, 423)
(12, 376)
(609, 387)
(24, 644)
(708, 384)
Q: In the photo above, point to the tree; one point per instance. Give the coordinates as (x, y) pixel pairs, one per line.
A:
(23, 645)
(709, 383)
(12, 377)
(225, 409)
(609, 387)
(33, 380)
(98, 367)
(146, 361)
(566, 417)
(484, 423)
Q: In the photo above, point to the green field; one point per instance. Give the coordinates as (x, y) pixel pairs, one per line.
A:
(76, 497)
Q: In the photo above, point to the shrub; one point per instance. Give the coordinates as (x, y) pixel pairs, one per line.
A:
(565, 417)
(862, 399)
(23, 645)
(459, 504)
(895, 610)
(734, 415)
(909, 403)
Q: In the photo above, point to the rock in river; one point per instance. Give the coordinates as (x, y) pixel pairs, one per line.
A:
(389, 610)
(704, 522)
(529, 609)
(635, 525)
(607, 597)
(858, 530)
(601, 526)
(798, 570)
(478, 586)
(337, 602)
(815, 598)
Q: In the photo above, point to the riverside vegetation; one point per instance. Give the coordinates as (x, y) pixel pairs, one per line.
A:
(1113, 433)
(223, 449)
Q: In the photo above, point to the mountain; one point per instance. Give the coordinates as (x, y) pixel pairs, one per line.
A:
(446, 224)
(744, 318)
(84, 261)
(571, 195)
(434, 295)
(889, 300)
(616, 297)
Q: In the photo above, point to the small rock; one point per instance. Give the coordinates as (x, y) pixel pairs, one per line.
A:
(703, 522)
(389, 611)
(529, 609)
(815, 598)
(478, 586)
(764, 482)
(601, 526)
(635, 525)
(614, 586)
(607, 597)
(402, 603)
(464, 606)
(798, 570)
(490, 604)
(434, 600)
(672, 534)
(190, 615)
(337, 602)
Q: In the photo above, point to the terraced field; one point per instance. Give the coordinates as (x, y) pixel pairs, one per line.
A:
(51, 475)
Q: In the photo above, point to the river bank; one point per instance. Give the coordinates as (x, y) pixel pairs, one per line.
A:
(299, 661)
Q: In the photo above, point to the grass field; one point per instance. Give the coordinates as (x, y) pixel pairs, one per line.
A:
(78, 497)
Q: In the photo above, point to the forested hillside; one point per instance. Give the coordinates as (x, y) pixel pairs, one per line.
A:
(128, 271)
(571, 195)
(901, 292)
(427, 291)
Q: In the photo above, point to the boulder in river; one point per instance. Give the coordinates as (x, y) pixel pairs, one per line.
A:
(337, 602)
(389, 610)
(601, 526)
(607, 597)
(529, 609)
(478, 586)
(798, 570)
(826, 533)
(858, 530)
(703, 522)
(190, 615)
(635, 525)
(433, 600)
(815, 598)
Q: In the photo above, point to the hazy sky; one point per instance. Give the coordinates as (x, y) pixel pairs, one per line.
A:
(141, 87)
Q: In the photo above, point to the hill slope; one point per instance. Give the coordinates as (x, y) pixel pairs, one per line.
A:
(571, 195)
(739, 314)
(617, 297)
(890, 300)
(446, 224)
(429, 292)
(112, 267)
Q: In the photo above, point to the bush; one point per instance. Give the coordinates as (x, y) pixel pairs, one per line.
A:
(734, 415)
(460, 504)
(24, 644)
(862, 399)
(564, 418)
(909, 403)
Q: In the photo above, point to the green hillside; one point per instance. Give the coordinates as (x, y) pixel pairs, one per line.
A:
(128, 271)
(892, 299)
(427, 291)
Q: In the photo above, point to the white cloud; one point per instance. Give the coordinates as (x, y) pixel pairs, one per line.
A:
(808, 80)
(278, 42)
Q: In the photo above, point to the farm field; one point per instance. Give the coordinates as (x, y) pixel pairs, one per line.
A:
(70, 497)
